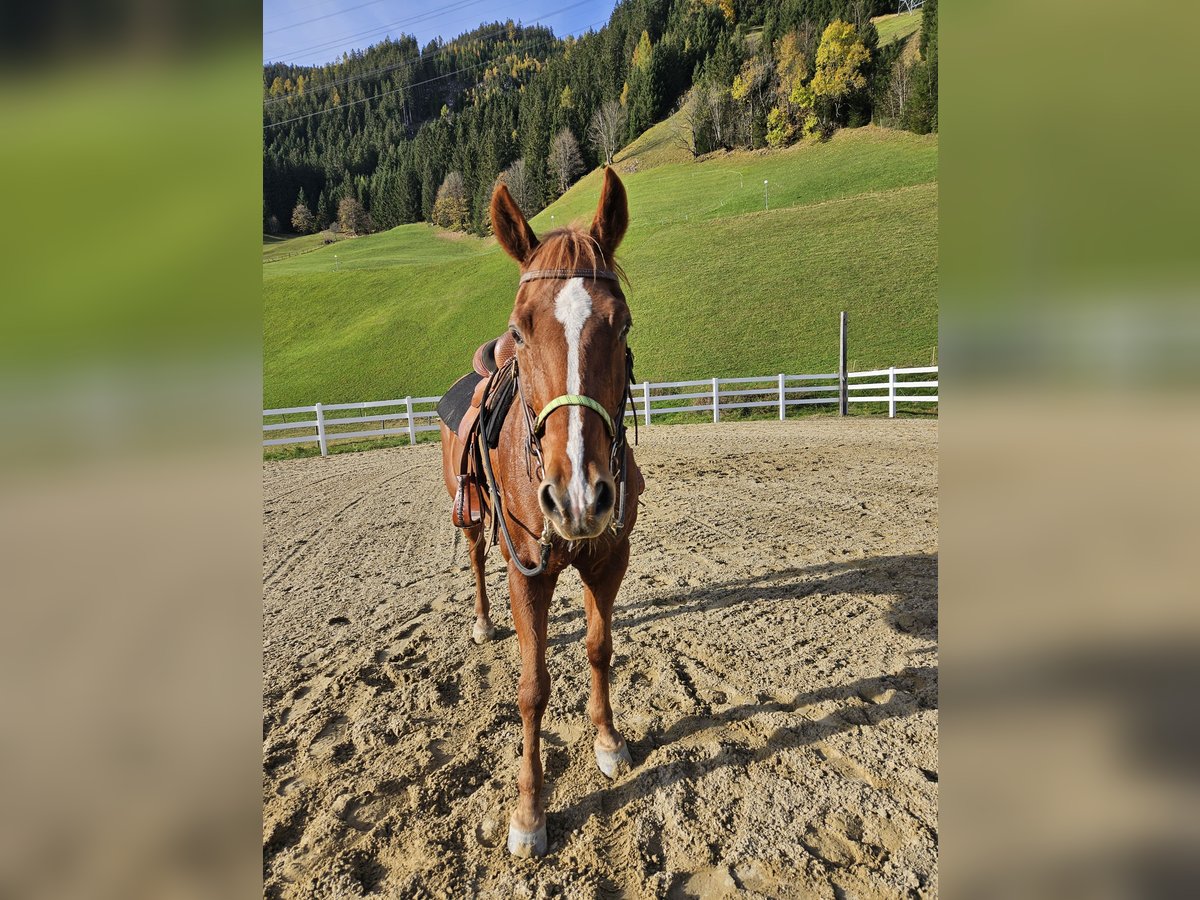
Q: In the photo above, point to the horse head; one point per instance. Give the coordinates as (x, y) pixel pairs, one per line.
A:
(569, 323)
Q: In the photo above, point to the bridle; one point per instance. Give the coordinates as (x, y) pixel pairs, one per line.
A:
(504, 382)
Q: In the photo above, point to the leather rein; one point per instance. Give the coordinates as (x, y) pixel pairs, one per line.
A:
(535, 426)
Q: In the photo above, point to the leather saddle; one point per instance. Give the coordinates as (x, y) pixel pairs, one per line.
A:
(460, 409)
(494, 354)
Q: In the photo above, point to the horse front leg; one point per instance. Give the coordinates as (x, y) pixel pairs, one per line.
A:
(600, 585)
(483, 630)
(531, 613)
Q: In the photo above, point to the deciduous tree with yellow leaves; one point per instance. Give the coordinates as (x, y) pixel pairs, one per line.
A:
(790, 110)
(840, 60)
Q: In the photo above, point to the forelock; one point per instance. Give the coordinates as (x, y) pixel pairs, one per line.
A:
(572, 248)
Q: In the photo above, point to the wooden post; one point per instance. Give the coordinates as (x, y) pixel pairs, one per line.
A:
(321, 430)
(843, 381)
(716, 402)
(646, 401)
(782, 397)
(412, 431)
(892, 392)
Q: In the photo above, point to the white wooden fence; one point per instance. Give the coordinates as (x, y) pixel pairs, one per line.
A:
(413, 415)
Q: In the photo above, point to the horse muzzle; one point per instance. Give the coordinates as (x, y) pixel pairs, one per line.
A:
(579, 514)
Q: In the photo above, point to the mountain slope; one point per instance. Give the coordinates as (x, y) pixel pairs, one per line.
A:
(897, 27)
(718, 285)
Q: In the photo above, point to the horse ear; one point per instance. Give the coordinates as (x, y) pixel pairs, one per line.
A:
(612, 215)
(508, 222)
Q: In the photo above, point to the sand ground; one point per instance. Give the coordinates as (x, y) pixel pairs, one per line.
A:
(775, 674)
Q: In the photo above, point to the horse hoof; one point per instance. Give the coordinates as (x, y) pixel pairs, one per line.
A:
(614, 763)
(526, 843)
(481, 633)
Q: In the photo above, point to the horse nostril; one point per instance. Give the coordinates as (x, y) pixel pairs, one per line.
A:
(604, 497)
(546, 496)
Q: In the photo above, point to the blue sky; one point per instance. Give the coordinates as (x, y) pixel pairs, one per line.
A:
(312, 32)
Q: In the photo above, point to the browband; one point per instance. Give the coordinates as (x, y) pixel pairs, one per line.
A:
(538, 274)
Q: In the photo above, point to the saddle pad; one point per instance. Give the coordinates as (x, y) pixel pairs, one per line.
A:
(456, 401)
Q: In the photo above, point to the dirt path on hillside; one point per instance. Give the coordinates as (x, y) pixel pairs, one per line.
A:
(775, 674)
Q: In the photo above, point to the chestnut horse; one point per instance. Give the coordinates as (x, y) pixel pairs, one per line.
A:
(559, 474)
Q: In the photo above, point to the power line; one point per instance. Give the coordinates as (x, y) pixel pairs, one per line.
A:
(382, 70)
(294, 8)
(331, 15)
(379, 96)
(415, 84)
(383, 29)
(446, 48)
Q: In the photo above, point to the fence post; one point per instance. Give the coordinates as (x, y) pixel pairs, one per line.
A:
(646, 401)
(412, 432)
(892, 392)
(782, 407)
(321, 429)
(843, 381)
(716, 403)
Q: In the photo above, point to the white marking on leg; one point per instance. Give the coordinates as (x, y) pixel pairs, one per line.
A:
(572, 307)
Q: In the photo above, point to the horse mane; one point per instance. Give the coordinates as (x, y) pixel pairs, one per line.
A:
(572, 248)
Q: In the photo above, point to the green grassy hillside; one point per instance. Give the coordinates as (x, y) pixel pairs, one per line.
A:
(277, 247)
(719, 286)
(897, 27)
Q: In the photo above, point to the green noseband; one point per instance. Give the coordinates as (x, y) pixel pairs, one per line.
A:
(573, 400)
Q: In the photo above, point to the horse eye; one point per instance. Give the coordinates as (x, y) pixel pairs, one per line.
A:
(517, 336)
(625, 330)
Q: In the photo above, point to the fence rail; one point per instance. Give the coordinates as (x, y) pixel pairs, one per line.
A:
(414, 415)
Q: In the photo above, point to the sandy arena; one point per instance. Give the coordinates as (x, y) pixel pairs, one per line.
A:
(775, 674)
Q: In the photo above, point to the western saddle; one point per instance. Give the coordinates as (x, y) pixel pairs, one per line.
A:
(491, 382)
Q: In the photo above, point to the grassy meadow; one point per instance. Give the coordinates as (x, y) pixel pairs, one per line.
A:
(277, 247)
(718, 284)
(897, 27)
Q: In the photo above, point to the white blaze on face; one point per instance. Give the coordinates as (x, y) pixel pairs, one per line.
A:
(572, 307)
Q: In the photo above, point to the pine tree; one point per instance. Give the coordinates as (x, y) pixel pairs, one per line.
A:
(409, 205)
(326, 210)
(929, 52)
(643, 97)
(920, 114)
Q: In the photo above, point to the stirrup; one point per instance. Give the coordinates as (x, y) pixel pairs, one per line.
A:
(466, 513)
